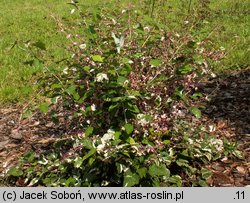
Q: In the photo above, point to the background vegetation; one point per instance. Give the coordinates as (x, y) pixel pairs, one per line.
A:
(226, 25)
(126, 76)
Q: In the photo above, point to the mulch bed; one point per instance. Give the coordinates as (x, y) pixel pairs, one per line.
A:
(228, 109)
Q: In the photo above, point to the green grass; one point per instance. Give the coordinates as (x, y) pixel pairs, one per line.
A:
(230, 20)
(227, 26)
(22, 21)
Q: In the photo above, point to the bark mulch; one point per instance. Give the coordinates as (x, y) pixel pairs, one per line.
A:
(228, 109)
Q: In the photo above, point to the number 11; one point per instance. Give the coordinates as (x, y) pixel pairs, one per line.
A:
(240, 195)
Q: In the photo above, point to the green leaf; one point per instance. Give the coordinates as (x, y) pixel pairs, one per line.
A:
(133, 108)
(179, 92)
(29, 156)
(117, 135)
(43, 161)
(184, 69)
(76, 96)
(127, 61)
(198, 59)
(134, 93)
(15, 172)
(238, 154)
(129, 128)
(203, 183)
(70, 182)
(130, 140)
(196, 95)
(205, 173)
(86, 68)
(160, 170)
(142, 172)
(196, 112)
(130, 179)
(26, 114)
(113, 107)
(182, 162)
(78, 162)
(155, 62)
(71, 90)
(156, 183)
(89, 131)
(44, 107)
(33, 181)
(176, 179)
(121, 80)
(56, 86)
(166, 142)
(97, 58)
(121, 167)
(209, 156)
(91, 161)
(87, 143)
(117, 99)
(89, 154)
(54, 99)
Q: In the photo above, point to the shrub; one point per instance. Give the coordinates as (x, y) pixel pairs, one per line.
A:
(131, 89)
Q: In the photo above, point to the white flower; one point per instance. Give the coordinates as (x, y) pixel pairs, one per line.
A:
(100, 147)
(82, 46)
(222, 48)
(164, 115)
(190, 141)
(113, 20)
(130, 96)
(123, 11)
(213, 75)
(212, 128)
(126, 82)
(146, 29)
(218, 144)
(72, 11)
(65, 70)
(55, 99)
(101, 76)
(142, 119)
(201, 50)
(158, 98)
(108, 136)
(93, 108)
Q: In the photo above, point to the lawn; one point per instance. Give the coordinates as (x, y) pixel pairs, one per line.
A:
(124, 93)
(23, 21)
(227, 27)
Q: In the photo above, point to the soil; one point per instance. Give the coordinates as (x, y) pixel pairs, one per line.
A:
(228, 110)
